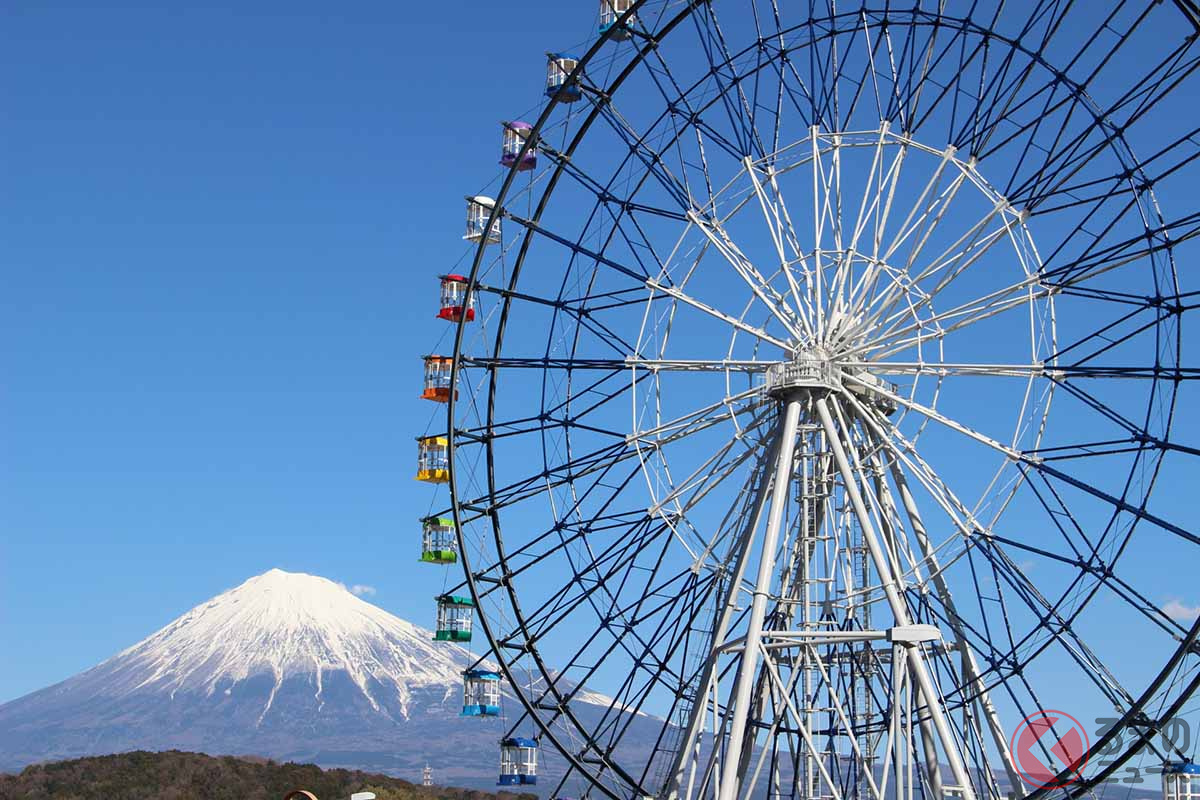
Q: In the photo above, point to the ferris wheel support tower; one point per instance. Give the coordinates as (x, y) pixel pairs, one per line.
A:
(766, 653)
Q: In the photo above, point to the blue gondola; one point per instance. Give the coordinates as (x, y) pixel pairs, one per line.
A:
(518, 762)
(1180, 780)
(610, 12)
(559, 67)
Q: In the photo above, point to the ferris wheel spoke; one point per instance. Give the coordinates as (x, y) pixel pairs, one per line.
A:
(733, 322)
(963, 254)
(1109, 337)
(537, 483)
(597, 460)
(676, 597)
(968, 57)
(1117, 503)
(679, 427)
(869, 206)
(1073, 155)
(780, 226)
(804, 104)
(535, 227)
(528, 555)
(745, 269)
(591, 579)
(1056, 629)
(766, 40)
(605, 193)
(1016, 99)
(1001, 99)
(927, 211)
(697, 486)
(1055, 623)
(869, 75)
(1135, 432)
(575, 305)
(959, 256)
(685, 115)
(880, 212)
(602, 332)
(630, 363)
(943, 369)
(908, 110)
(866, 81)
(965, 521)
(703, 479)
(571, 416)
(1093, 191)
(936, 416)
(1100, 257)
(941, 324)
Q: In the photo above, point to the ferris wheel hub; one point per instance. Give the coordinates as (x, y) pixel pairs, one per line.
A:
(816, 370)
(807, 372)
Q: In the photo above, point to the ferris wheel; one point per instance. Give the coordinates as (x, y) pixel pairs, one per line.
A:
(812, 369)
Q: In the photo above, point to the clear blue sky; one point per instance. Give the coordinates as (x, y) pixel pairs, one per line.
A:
(220, 235)
(220, 231)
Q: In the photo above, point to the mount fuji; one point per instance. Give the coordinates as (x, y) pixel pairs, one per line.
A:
(286, 665)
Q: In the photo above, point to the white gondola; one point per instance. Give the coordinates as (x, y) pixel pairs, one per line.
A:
(479, 208)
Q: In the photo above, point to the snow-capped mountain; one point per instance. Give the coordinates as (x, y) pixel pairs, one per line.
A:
(285, 665)
(283, 624)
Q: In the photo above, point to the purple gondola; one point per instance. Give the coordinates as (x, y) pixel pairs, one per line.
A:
(515, 136)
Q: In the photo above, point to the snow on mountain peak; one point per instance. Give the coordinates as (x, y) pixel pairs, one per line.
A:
(282, 625)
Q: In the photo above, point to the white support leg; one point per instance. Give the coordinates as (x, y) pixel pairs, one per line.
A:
(748, 669)
(916, 662)
(970, 666)
(689, 743)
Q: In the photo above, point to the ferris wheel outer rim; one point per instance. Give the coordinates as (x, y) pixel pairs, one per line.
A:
(497, 214)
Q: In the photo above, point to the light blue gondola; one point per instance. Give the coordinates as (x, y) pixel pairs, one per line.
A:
(481, 693)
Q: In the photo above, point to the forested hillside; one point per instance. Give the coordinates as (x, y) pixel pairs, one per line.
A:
(175, 775)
